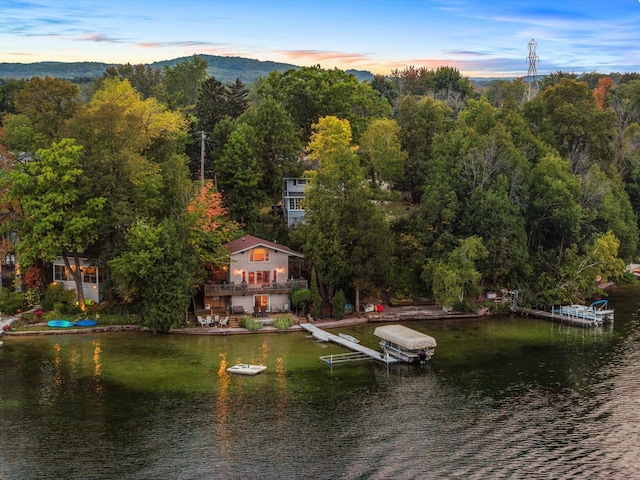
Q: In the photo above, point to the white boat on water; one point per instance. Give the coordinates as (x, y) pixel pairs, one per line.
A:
(597, 312)
(405, 344)
(246, 369)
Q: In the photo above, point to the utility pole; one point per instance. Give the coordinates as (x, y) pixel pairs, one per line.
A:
(203, 137)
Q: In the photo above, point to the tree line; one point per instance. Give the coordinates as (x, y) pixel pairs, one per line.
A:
(419, 185)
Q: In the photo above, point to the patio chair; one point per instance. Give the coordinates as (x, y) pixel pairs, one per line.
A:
(208, 320)
(201, 321)
(225, 321)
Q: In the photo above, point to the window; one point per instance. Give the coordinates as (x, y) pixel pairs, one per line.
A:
(259, 278)
(259, 255)
(261, 301)
(60, 273)
(295, 204)
(89, 275)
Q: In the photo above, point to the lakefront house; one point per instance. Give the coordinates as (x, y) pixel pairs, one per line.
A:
(257, 279)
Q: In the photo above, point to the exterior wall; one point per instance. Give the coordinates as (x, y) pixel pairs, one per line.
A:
(241, 265)
(275, 302)
(90, 288)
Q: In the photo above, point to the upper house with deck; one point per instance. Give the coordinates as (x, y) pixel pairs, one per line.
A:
(293, 200)
(257, 278)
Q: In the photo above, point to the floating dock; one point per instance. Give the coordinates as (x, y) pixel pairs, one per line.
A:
(555, 316)
(360, 352)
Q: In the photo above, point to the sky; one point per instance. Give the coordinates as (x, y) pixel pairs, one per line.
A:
(479, 38)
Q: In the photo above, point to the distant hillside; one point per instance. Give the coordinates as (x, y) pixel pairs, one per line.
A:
(225, 69)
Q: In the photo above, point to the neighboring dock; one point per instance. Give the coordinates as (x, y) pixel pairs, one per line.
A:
(360, 352)
(555, 316)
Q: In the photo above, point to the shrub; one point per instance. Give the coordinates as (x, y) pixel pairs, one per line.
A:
(337, 309)
(11, 302)
(282, 322)
(300, 299)
(56, 297)
(250, 324)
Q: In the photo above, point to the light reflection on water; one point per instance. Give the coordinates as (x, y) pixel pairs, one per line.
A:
(502, 398)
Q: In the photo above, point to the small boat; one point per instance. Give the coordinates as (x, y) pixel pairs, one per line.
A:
(60, 323)
(86, 323)
(349, 337)
(246, 369)
(405, 344)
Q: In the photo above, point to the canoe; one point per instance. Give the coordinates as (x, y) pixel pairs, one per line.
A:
(246, 369)
(349, 337)
(60, 323)
(86, 323)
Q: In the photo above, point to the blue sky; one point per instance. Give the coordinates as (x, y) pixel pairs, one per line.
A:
(487, 38)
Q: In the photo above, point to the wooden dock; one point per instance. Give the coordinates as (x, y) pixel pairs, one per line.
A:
(555, 316)
(361, 352)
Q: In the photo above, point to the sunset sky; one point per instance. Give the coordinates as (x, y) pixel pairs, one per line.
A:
(486, 38)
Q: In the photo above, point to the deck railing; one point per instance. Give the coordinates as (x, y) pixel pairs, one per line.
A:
(271, 287)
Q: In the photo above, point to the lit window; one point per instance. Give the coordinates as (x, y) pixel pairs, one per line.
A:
(89, 275)
(60, 273)
(259, 255)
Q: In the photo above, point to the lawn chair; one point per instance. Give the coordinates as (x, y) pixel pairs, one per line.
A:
(201, 321)
(208, 320)
(225, 321)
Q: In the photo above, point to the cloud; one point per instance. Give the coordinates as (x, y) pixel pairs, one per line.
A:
(317, 56)
(97, 37)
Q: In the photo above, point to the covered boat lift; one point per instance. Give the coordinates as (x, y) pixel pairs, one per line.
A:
(405, 344)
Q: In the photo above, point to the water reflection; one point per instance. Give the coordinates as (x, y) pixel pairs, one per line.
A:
(502, 398)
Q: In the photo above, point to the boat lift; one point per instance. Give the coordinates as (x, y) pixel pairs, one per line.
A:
(360, 352)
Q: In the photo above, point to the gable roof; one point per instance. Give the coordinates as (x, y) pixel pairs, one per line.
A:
(247, 242)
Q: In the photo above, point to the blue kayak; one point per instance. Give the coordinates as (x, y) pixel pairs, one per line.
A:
(60, 323)
(86, 323)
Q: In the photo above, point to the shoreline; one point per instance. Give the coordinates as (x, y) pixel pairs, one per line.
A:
(392, 314)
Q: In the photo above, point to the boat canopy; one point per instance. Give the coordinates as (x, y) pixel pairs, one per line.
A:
(405, 337)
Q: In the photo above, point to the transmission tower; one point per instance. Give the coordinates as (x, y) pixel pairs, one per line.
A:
(531, 87)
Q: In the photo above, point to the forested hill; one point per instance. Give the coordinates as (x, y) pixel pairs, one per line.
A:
(224, 69)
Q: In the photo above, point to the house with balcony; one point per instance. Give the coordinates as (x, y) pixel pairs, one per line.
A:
(90, 278)
(257, 280)
(293, 200)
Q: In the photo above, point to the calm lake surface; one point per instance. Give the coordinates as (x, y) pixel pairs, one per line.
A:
(503, 397)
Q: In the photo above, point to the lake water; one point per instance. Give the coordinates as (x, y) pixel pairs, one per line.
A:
(503, 397)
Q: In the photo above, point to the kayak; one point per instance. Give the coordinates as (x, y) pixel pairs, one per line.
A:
(60, 323)
(86, 323)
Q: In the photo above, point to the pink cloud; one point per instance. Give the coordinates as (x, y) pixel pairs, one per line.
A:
(315, 56)
(97, 37)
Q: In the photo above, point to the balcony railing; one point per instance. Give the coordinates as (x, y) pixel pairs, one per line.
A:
(272, 287)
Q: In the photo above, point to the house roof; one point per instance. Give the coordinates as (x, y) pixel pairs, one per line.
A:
(246, 242)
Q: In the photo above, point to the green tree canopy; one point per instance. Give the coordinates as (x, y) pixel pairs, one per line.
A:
(58, 217)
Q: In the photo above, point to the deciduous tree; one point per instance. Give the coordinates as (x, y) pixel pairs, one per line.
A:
(58, 217)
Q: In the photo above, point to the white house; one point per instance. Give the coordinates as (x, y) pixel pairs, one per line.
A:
(90, 278)
(293, 200)
(257, 279)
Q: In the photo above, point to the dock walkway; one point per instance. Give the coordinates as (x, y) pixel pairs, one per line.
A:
(364, 352)
(556, 316)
